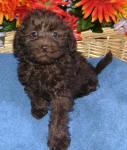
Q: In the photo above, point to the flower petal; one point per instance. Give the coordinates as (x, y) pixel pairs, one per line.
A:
(87, 5)
(119, 24)
(119, 8)
(110, 9)
(7, 16)
(94, 15)
(81, 3)
(1, 17)
(2, 34)
(100, 14)
(106, 14)
(113, 18)
(88, 11)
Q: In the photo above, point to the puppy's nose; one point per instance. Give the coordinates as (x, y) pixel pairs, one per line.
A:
(45, 47)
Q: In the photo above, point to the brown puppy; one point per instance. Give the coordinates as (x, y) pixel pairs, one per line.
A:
(52, 71)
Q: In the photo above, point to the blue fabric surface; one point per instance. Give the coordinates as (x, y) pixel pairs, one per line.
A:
(98, 122)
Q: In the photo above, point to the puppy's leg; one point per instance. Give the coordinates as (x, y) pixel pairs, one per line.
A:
(39, 105)
(59, 137)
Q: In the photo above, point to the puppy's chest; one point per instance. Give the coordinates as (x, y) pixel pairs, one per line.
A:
(48, 76)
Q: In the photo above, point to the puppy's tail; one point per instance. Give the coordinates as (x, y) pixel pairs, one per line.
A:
(104, 62)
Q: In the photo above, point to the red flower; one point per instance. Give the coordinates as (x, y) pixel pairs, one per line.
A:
(102, 9)
(12, 8)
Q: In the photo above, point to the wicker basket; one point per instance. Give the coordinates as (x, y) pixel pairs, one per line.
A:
(92, 45)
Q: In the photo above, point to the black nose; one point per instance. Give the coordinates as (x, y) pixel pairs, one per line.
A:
(45, 47)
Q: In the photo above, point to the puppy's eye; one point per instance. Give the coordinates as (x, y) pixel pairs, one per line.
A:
(54, 34)
(34, 34)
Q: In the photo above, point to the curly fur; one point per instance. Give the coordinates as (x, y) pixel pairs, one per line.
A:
(52, 71)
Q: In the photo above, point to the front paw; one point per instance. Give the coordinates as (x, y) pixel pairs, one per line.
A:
(38, 113)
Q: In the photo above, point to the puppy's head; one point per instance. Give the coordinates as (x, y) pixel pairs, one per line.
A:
(43, 38)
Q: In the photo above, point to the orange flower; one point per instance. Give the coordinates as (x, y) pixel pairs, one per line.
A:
(22, 9)
(102, 9)
(8, 8)
(11, 9)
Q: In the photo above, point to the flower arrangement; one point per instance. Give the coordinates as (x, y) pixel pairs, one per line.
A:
(12, 13)
(96, 14)
(80, 14)
(122, 21)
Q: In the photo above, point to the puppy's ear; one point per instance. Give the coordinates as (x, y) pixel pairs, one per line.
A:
(72, 44)
(18, 46)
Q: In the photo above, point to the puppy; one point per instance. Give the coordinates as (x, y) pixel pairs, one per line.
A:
(53, 71)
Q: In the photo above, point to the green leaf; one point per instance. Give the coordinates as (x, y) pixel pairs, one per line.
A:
(63, 7)
(8, 26)
(3, 39)
(110, 24)
(77, 12)
(85, 24)
(73, 3)
(97, 27)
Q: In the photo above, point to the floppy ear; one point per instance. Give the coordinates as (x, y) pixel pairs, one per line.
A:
(72, 44)
(18, 45)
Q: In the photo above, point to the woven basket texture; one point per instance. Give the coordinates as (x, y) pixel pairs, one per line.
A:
(98, 44)
(92, 45)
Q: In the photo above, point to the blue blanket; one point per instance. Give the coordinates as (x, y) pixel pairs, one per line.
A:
(98, 122)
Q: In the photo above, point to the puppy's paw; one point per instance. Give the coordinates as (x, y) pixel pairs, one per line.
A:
(38, 113)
